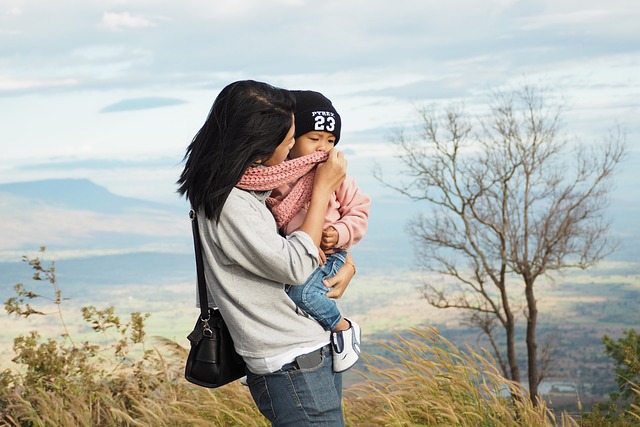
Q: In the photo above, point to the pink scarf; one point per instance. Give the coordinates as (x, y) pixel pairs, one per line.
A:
(301, 169)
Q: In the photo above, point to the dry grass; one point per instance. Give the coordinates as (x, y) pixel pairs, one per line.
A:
(436, 384)
(119, 379)
(155, 395)
(433, 384)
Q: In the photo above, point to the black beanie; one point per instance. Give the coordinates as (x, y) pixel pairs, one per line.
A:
(314, 112)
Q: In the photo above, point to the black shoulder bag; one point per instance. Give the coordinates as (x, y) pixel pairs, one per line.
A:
(212, 360)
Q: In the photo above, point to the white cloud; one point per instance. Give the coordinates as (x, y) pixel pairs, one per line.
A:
(581, 17)
(10, 84)
(118, 21)
(589, 18)
(374, 59)
(99, 52)
(12, 12)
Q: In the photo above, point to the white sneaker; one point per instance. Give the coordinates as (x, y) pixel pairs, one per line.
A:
(243, 380)
(346, 347)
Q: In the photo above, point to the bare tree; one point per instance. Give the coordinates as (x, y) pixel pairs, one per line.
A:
(509, 201)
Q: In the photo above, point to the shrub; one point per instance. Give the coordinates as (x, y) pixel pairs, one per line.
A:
(121, 381)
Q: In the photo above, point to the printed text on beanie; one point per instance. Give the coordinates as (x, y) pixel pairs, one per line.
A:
(314, 112)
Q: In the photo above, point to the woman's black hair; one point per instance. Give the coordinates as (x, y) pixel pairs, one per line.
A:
(247, 122)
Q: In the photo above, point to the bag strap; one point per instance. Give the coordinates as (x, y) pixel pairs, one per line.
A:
(202, 284)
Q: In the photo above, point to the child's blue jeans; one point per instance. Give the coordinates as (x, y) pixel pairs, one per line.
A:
(312, 295)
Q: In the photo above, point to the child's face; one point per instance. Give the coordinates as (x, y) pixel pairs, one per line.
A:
(311, 142)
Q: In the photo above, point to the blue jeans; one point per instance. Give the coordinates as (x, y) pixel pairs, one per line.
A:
(312, 296)
(300, 397)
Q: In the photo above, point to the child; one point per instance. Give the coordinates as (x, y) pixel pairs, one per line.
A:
(317, 131)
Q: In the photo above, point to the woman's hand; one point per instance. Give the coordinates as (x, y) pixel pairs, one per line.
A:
(341, 280)
(322, 256)
(331, 173)
(329, 176)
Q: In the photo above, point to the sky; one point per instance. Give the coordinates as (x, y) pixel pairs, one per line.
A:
(114, 90)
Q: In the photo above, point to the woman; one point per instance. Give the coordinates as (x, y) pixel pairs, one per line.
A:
(248, 264)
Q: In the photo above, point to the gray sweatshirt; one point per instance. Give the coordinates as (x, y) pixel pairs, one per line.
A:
(247, 264)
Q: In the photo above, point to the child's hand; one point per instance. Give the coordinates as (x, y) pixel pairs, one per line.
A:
(329, 239)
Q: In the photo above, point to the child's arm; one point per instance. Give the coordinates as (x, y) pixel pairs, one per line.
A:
(354, 215)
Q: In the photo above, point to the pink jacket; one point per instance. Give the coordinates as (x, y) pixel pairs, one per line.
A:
(348, 212)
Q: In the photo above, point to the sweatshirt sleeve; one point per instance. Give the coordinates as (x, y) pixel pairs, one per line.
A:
(248, 237)
(354, 214)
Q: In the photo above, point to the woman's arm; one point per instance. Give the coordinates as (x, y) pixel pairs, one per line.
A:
(246, 236)
(341, 280)
(329, 176)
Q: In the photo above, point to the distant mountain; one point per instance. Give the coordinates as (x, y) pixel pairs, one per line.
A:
(81, 194)
(81, 217)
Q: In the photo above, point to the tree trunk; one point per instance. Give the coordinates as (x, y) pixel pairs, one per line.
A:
(532, 345)
(511, 350)
(509, 328)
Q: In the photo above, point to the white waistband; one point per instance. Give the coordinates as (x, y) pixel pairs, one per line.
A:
(266, 365)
